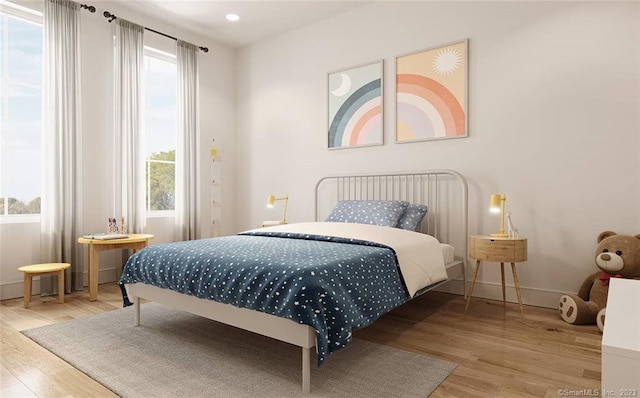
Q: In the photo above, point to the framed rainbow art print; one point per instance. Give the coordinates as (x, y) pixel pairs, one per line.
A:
(431, 93)
(355, 106)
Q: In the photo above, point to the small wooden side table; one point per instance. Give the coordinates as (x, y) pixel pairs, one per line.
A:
(134, 242)
(500, 250)
(40, 269)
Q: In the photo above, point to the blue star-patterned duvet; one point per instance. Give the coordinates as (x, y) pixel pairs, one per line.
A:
(334, 285)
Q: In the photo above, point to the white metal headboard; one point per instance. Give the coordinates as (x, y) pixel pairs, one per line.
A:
(444, 192)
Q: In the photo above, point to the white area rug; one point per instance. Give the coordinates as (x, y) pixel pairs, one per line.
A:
(176, 354)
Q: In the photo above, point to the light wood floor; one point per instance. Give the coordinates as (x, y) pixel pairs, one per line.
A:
(498, 354)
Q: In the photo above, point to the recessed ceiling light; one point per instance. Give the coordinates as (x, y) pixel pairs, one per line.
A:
(232, 17)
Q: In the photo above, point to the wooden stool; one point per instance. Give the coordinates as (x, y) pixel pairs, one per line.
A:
(40, 269)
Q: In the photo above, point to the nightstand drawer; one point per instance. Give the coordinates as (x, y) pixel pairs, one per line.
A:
(498, 249)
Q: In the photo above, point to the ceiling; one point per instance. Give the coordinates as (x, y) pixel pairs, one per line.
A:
(259, 19)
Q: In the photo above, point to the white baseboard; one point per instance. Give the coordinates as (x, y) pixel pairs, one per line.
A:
(16, 289)
(492, 291)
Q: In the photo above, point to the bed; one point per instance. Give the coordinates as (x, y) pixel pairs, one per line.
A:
(304, 283)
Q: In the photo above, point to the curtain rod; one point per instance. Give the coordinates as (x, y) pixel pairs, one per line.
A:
(91, 9)
(110, 17)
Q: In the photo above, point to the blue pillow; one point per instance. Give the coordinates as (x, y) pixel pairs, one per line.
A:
(385, 213)
(412, 217)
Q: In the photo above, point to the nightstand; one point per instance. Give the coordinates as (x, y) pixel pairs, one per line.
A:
(499, 250)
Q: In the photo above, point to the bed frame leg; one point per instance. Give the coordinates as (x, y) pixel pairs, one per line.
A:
(136, 311)
(306, 370)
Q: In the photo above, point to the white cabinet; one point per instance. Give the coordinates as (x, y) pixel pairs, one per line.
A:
(621, 340)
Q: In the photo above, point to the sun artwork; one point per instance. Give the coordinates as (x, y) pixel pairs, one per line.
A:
(447, 61)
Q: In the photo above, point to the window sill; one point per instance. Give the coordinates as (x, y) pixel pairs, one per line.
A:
(161, 214)
(20, 219)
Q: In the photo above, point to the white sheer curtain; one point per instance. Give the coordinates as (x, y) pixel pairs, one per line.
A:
(61, 202)
(187, 193)
(128, 124)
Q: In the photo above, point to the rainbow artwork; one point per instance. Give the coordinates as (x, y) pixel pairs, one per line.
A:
(355, 107)
(431, 94)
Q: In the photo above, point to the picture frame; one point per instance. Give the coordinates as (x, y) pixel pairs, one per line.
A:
(432, 93)
(355, 106)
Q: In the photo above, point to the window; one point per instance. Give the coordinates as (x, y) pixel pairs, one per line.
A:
(160, 75)
(21, 110)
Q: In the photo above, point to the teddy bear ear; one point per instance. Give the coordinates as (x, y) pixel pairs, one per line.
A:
(605, 235)
(637, 236)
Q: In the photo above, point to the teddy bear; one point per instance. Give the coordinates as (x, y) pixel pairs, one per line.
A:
(617, 256)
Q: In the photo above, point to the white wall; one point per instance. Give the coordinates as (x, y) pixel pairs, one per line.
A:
(553, 121)
(19, 243)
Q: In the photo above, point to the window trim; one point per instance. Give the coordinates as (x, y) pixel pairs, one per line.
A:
(19, 218)
(18, 11)
(165, 56)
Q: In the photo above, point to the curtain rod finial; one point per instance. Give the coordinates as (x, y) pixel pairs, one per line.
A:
(109, 16)
(91, 9)
(204, 49)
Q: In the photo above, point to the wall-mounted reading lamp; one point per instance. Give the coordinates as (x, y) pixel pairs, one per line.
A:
(271, 200)
(497, 206)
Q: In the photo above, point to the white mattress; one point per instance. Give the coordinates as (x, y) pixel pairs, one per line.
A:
(447, 253)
